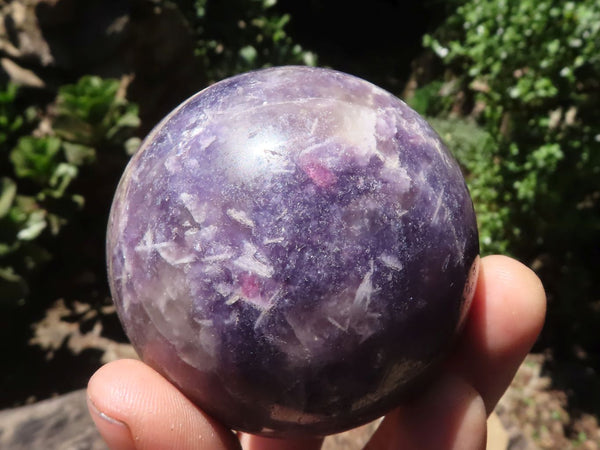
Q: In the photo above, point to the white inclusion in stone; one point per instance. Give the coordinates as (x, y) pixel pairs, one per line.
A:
(192, 132)
(126, 273)
(240, 217)
(364, 290)
(265, 307)
(172, 164)
(440, 150)
(421, 178)
(459, 244)
(314, 125)
(264, 312)
(438, 206)
(204, 322)
(208, 339)
(202, 358)
(367, 325)
(315, 151)
(277, 240)
(192, 239)
(208, 233)
(234, 318)
(233, 299)
(336, 324)
(197, 209)
(352, 127)
(391, 261)
(400, 212)
(358, 126)
(218, 257)
(385, 125)
(395, 174)
(175, 255)
(252, 261)
(147, 243)
(305, 336)
(446, 262)
(224, 289)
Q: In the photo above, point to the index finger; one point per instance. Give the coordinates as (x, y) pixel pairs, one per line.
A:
(506, 318)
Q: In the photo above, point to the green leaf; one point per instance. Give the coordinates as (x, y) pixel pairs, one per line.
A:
(73, 128)
(7, 195)
(12, 285)
(23, 206)
(35, 158)
(132, 145)
(92, 113)
(8, 95)
(248, 54)
(55, 223)
(79, 154)
(128, 120)
(5, 249)
(78, 200)
(61, 178)
(34, 226)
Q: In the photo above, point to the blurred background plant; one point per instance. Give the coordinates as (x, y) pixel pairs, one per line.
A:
(240, 35)
(518, 101)
(39, 167)
(512, 86)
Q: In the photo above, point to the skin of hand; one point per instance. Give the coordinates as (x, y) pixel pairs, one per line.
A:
(134, 407)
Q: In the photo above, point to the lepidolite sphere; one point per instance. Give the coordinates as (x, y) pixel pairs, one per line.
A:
(292, 248)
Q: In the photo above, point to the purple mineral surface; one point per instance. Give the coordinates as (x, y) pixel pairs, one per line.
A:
(292, 248)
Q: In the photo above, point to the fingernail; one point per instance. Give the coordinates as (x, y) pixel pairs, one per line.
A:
(115, 433)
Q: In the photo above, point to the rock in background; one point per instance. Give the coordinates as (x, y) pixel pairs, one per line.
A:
(61, 423)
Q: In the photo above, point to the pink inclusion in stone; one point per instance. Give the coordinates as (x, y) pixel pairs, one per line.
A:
(250, 285)
(319, 174)
(295, 249)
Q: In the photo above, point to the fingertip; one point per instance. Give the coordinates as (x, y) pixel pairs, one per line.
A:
(506, 317)
(135, 407)
(509, 306)
(511, 272)
(450, 415)
(105, 406)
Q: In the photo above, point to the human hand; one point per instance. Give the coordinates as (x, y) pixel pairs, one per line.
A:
(136, 408)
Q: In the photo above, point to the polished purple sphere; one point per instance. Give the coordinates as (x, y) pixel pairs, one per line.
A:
(293, 248)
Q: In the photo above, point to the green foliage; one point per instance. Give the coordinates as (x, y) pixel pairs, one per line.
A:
(92, 113)
(37, 197)
(36, 158)
(9, 121)
(427, 99)
(240, 35)
(532, 68)
(535, 67)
